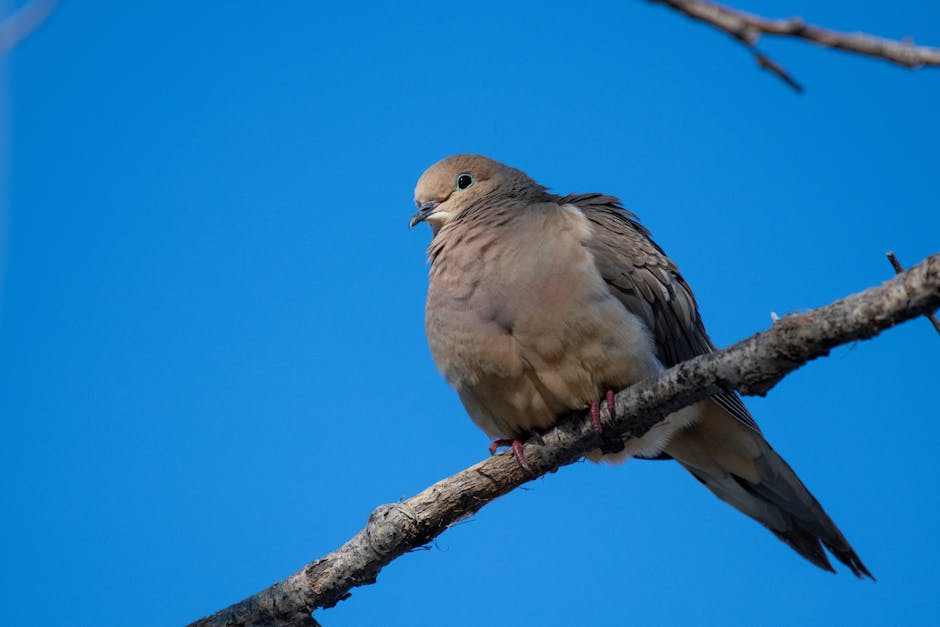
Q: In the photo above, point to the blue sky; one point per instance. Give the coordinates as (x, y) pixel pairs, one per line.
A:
(212, 355)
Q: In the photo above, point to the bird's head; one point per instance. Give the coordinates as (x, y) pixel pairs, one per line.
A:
(453, 184)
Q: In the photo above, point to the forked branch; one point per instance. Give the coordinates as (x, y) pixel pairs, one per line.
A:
(748, 29)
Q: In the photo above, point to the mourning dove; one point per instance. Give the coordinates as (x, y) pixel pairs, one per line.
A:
(538, 305)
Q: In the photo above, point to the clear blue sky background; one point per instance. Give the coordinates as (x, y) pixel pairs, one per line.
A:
(212, 355)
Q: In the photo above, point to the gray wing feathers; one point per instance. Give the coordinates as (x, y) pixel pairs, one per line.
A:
(736, 464)
(649, 285)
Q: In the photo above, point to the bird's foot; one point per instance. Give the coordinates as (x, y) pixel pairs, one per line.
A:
(596, 411)
(596, 416)
(517, 451)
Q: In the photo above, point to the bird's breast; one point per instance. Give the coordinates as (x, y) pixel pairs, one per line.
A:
(520, 319)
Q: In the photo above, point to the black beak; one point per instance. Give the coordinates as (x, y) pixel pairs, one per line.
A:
(424, 212)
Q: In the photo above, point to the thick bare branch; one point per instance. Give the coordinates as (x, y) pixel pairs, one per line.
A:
(752, 366)
(748, 29)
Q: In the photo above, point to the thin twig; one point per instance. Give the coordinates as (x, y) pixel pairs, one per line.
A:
(22, 22)
(752, 366)
(898, 269)
(748, 28)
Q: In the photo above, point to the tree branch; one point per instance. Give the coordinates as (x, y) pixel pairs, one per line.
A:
(748, 28)
(752, 366)
(898, 269)
(20, 24)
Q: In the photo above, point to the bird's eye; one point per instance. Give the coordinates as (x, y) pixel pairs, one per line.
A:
(464, 181)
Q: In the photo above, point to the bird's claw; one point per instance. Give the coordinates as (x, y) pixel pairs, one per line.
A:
(517, 451)
(596, 411)
(596, 416)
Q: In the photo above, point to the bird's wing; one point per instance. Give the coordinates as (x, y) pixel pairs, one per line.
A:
(649, 285)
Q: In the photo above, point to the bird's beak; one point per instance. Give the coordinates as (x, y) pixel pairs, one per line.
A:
(424, 212)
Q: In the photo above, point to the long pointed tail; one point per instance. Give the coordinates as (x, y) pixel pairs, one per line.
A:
(737, 464)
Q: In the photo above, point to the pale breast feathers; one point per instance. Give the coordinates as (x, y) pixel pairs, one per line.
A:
(527, 327)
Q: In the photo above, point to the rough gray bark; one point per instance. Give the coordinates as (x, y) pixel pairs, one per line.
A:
(752, 366)
(748, 29)
(898, 268)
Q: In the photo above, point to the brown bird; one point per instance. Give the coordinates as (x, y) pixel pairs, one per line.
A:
(539, 305)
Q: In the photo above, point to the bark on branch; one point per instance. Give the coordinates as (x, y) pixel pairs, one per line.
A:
(752, 366)
(748, 29)
(898, 268)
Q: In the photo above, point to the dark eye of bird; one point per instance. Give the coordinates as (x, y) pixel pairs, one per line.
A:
(464, 181)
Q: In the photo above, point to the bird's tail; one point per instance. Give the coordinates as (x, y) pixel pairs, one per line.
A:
(737, 464)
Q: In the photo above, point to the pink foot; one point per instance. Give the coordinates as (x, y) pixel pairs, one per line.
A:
(517, 451)
(596, 416)
(596, 411)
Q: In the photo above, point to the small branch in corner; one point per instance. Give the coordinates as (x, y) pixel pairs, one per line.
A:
(898, 269)
(748, 28)
(770, 65)
(22, 22)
